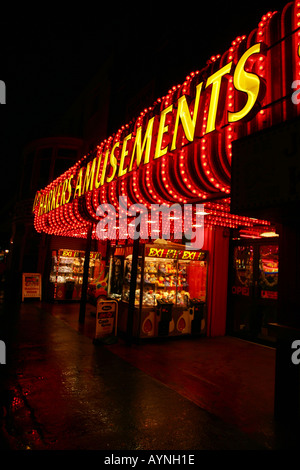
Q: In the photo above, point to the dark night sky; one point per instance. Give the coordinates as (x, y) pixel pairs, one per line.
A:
(48, 54)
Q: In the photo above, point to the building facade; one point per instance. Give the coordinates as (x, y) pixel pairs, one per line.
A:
(178, 152)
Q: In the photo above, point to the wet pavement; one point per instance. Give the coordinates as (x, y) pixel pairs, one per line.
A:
(60, 391)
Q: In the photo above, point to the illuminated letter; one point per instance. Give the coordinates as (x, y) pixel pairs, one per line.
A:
(123, 155)
(69, 188)
(36, 200)
(46, 203)
(104, 168)
(78, 188)
(152, 252)
(58, 194)
(41, 208)
(215, 80)
(183, 113)
(97, 183)
(63, 193)
(49, 200)
(246, 82)
(139, 148)
(89, 176)
(113, 163)
(159, 152)
(53, 198)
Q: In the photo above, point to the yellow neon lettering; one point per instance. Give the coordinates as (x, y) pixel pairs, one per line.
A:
(159, 152)
(89, 176)
(78, 187)
(139, 148)
(104, 167)
(41, 205)
(45, 203)
(152, 252)
(63, 193)
(53, 198)
(49, 200)
(189, 255)
(171, 254)
(124, 153)
(183, 113)
(96, 179)
(113, 163)
(69, 189)
(245, 82)
(157, 252)
(215, 81)
(58, 194)
(36, 200)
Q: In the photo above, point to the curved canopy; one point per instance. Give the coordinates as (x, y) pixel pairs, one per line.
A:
(179, 150)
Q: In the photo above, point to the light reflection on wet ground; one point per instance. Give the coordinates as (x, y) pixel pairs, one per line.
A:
(78, 396)
(70, 394)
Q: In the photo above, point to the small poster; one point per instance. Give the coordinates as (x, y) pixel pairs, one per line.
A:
(31, 286)
(107, 313)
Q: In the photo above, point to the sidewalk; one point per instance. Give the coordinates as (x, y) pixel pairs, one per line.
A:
(65, 393)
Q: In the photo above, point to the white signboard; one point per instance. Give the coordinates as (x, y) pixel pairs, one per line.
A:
(31, 286)
(106, 318)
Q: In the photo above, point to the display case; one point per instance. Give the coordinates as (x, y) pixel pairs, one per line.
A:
(268, 271)
(243, 269)
(66, 275)
(169, 278)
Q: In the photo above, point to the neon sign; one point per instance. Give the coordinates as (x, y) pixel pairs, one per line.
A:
(179, 149)
(128, 154)
(175, 254)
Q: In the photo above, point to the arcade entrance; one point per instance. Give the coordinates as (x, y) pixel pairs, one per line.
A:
(253, 289)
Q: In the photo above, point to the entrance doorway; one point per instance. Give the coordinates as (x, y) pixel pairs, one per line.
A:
(253, 289)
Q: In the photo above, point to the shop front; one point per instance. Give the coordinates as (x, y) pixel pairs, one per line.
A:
(170, 298)
(178, 291)
(66, 275)
(177, 154)
(253, 288)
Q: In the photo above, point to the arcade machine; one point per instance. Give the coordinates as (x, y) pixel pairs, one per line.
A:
(170, 294)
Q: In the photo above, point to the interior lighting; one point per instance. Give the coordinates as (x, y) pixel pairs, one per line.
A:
(269, 234)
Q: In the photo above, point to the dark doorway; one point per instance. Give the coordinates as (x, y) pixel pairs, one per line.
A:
(253, 289)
